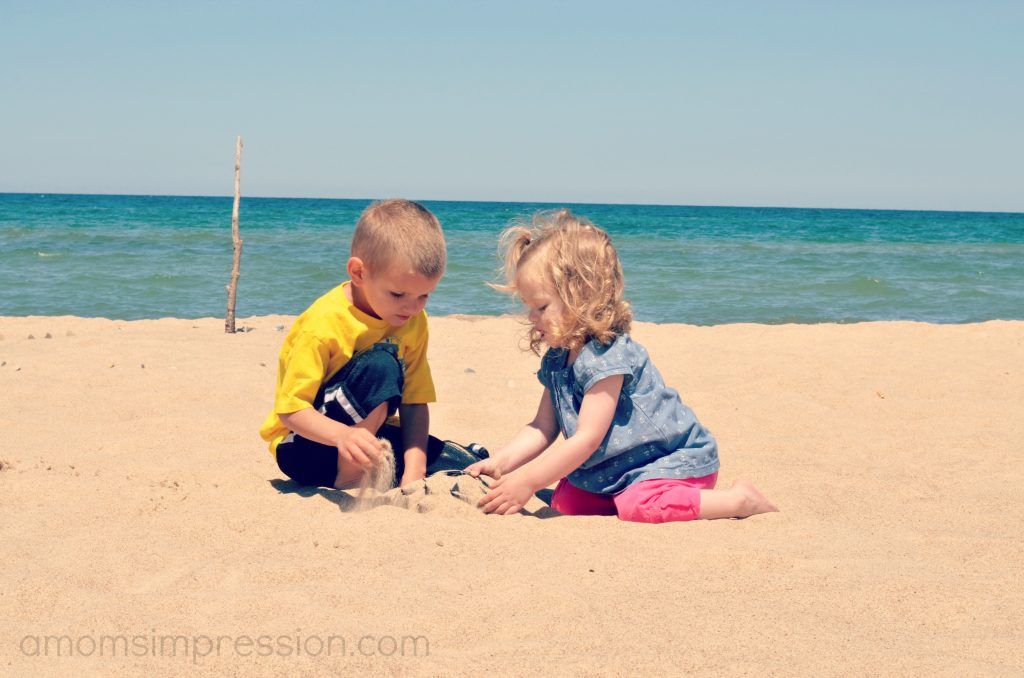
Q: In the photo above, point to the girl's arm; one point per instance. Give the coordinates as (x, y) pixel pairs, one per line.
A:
(510, 493)
(525, 445)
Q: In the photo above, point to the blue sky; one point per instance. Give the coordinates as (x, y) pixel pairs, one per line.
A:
(916, 105)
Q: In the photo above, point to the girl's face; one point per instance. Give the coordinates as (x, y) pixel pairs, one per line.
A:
(544, 309)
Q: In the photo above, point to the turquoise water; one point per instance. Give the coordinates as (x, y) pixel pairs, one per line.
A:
(134, 257)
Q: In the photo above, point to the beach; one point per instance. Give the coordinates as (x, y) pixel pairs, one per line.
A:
(139, 504)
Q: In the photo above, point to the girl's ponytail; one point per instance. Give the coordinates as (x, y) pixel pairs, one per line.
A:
(512, 244)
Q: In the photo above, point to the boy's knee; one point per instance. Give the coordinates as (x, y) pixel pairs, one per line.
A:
(379, 361)
(377, 364)
(371, 379)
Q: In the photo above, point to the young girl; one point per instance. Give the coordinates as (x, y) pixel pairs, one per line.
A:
(631, 448)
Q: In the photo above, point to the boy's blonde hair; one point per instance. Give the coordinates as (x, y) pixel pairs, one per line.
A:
(400, 229)
(577, 259)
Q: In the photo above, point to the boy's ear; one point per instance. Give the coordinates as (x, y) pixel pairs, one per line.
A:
(356, 271)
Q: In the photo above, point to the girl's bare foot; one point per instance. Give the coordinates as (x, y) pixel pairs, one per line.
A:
(751, 501)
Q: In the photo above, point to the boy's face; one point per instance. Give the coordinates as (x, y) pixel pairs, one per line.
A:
(394, 294)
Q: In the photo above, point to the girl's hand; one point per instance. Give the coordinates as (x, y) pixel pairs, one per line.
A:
(507, 495)
(487, 467)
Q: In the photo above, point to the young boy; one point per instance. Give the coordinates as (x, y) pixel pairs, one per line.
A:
(358, 354)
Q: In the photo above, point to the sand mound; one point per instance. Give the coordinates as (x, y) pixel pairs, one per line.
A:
(444, 493)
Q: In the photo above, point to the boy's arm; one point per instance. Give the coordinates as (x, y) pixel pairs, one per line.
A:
(356, 445)
(415, 421)
(510, 493)
(303, 366)
(413, 412)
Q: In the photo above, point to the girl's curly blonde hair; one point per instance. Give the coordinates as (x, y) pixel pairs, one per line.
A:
(580, 263)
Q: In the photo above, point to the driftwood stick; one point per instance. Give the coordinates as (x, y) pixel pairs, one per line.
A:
(229, 322)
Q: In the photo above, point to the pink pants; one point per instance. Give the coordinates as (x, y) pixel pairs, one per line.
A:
(650, 501)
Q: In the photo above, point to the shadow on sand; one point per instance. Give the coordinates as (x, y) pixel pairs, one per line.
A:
(453, 459)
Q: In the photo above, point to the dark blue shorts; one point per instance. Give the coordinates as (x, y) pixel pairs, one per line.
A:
(361, 386)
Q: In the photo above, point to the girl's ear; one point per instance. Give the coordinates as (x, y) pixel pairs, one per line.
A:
(356, 271)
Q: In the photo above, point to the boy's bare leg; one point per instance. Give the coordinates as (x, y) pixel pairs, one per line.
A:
(349, 474)
(739, 501)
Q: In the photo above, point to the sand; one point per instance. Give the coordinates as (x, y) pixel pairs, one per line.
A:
(378, 479)
(139, 505)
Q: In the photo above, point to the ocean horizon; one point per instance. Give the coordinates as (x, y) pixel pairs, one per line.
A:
(136, 256)
(220, 196)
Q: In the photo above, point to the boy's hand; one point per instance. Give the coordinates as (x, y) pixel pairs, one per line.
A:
(507, 495)
(359, 447)
(488, 467)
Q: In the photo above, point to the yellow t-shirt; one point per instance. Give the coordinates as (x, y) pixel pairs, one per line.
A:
(324, 338)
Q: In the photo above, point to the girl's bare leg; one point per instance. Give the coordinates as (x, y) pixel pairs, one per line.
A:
(739, 501)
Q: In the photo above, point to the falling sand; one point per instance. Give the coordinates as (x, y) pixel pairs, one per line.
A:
(380, 479)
